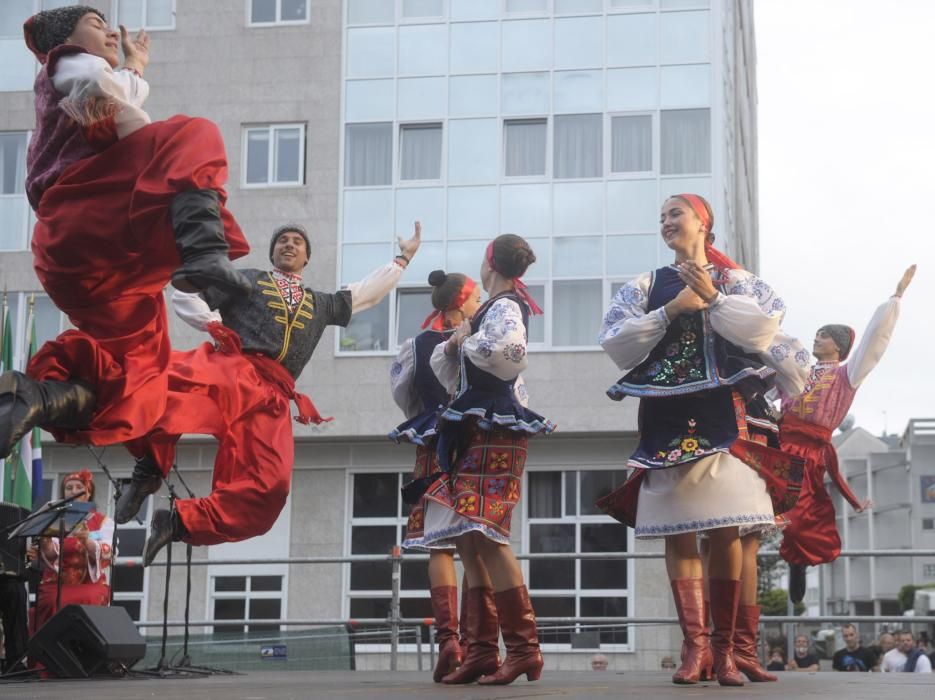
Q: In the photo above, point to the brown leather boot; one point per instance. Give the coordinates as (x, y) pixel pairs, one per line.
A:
(696, 651)
(725, 598)
(444, 604)
(482, 628)
(745, 632)
(462, 626)
(518, 624)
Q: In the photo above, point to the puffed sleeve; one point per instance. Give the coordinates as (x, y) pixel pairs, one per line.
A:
(791, 360)
(193, 309)
(402, 373)
(874, 342)
(499, 346)
(749, 313)
(628, 333)
(447, 368)
(99, 553)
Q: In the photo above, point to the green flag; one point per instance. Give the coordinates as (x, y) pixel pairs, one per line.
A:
(17, 484)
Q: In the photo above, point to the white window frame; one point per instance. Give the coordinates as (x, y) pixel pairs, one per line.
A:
(149, 506)
(652, 173)
(115, 13)
(246, 595)
(397, 175)
(549, 128)
(272, 128)
(278, 22)
(399, 521)
(30, 214)
(18, 324)
(579, 520)
(425, 19)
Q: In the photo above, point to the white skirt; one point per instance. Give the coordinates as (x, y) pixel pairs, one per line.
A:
(716, 491)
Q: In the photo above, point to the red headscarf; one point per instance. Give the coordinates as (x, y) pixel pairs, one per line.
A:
(436, 319)
(699, 206)
(84, 476)
(522, 291)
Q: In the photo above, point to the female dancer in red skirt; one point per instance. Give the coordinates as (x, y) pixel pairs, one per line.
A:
(482, 450)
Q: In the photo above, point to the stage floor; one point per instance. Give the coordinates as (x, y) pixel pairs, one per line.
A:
(362, 685)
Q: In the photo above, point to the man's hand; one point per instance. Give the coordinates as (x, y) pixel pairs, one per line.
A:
(135, 50)
(410, 246)
(906, 279)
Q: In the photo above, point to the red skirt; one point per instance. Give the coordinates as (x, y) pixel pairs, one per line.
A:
(72, 594)
(426, 465)
(104, 250)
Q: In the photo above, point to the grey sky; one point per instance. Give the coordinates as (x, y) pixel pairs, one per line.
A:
(846, 147)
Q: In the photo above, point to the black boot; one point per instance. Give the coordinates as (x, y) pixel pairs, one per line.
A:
(26, 403)
(796, 582)
(166, 527)
(146, 480)
(199, 237)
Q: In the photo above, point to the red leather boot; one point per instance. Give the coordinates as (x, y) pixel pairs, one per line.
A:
(444, 604)
(482, 629)
(696, 651)
(725, 598)
(745, 656)
(518, 624)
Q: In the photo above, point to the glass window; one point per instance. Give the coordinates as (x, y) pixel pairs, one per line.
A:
(15, 12)
(537, 6)
(370, 12)
(466, 257)
(48, 319)
(17, 64)
(375, 495)
(576, 312)
(580, 256)
(687, 37)
(685, 141)
(632, 255)
(368, 154)
(357, 260)
(679, 4)
(425, 204)
(420, 151)
(591, 588)
(632, 88)
(283, 164)
(578, 42)
(579, 91)
(423, 8)
(526, 208)
(579, 208)
(368, 330)
(368, 217)
(474, 9)
(472, 213)
(431, 257)
(472, 95)
(422, 98)
(633, 205)
(525, 93)
(474, 47)
(575, 7)
(148, 14)
(423, 49)
(369, 99)
(536, 329)
(577, 146)
(250, 598)
(631, 40)
(526, 45)
(278, 11)
(473, 150)
(413, 305)
(685, 86)
(542, 247)
(631, 144)
(524, 146)
(371, 52)
(627, 4)
(14, 208)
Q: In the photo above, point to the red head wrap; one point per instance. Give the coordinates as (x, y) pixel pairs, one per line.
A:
(436, 319)
(84, 476)
(522, 291)
(715, 257)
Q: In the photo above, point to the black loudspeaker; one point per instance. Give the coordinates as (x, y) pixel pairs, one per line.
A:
(83, 640)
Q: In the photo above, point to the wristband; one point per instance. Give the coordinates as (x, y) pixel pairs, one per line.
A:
(408, 260)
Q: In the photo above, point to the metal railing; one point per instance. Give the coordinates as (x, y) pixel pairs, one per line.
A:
(400, 626)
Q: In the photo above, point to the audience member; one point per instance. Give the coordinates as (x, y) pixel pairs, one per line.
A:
(854, 656)
(906, 656)
(803, 659)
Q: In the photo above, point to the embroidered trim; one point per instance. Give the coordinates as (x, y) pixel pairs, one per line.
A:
(412, 435)
(706, 524)
(504, 420)
(444, 537)
(301, 311)
(646, 463)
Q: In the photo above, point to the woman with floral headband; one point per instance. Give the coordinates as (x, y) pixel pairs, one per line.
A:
(482, 452)
(417, 391)
(695, 338)
(83, 560)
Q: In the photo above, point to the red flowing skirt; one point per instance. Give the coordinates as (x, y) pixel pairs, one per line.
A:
(104, 249)
(72, 594)
(426, 465)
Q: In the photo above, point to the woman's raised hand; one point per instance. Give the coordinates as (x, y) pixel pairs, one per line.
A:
(696, 277)
(135, 50)
(906, 279)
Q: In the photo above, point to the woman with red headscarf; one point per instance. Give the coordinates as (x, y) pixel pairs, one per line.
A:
(696, 339)
(482, 442)
(82, 561)
(808, 420)
(417, 391)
